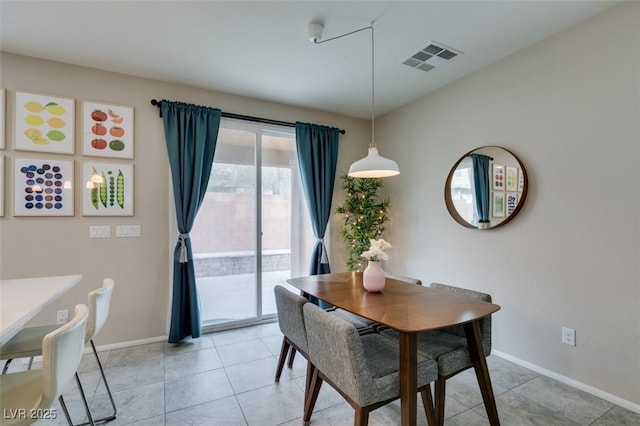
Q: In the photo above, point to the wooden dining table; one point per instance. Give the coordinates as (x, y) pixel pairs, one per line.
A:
(409, 309)
(22, 299)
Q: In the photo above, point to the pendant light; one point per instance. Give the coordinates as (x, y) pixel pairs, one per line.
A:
(373, 165)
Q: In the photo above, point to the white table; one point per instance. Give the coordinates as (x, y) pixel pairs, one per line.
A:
(22, 299)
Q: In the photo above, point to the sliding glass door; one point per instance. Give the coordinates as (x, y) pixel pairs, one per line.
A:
(246, 241)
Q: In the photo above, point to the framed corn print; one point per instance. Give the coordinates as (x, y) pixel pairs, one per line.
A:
(107, 130)
(44, 123)
(43, 187)
(107, 189)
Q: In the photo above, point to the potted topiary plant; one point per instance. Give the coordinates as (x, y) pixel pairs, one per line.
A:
(365, 217)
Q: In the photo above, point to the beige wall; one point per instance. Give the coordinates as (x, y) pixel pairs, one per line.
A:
(569, 107)
(140, 266)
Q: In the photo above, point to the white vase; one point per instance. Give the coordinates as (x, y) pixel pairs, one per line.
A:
(373, 278)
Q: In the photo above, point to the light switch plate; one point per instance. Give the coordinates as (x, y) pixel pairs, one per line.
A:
(100, 231)
(128, 231)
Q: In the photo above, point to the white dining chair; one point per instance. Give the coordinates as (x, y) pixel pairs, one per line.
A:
(27, 395)
(27, 343)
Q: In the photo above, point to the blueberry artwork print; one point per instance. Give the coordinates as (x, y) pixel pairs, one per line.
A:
(43, 188)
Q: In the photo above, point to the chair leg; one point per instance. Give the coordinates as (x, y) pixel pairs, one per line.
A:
(427, 402)
(310, 400)
(65, 410)
(440, 394)
(283, 357)
(84, 400)
(292, 355)
(307, 385)
(106, 385)
(6, 366)
(362, 416)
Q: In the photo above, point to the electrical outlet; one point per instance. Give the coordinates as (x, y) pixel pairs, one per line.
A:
(62, 317)
(568, 336)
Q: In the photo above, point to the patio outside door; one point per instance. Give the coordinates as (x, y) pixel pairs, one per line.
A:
(246, 241)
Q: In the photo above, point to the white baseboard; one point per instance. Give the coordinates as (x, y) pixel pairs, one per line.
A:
(111, 346)
(571, 382)
(129, 343)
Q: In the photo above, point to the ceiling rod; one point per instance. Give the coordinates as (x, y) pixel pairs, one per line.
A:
(373, 165)
(244, 117)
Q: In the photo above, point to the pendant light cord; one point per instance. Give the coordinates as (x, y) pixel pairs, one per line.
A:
(373, 97)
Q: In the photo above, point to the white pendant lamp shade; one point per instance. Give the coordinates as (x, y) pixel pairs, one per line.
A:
(374, 166)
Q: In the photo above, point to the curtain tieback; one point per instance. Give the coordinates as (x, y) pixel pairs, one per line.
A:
(183, 248)
(324, 258)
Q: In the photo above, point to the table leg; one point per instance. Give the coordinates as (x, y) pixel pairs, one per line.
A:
(476, 352)
(408, 378)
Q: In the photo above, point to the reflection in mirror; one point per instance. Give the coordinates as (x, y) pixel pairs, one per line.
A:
(486, 188)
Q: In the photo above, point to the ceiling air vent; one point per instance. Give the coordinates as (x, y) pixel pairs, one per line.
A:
(432, 56)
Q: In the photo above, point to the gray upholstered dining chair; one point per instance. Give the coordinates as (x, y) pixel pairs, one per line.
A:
(448, 347)
(363, 325)
(364, 369)
(291, 321)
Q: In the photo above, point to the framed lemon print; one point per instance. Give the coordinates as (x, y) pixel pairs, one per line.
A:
(107, 130)
(512, 178)
(44, 123)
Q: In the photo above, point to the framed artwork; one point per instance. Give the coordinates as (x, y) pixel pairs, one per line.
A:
(1, 185)
(512, 178)
(43, 187)
(520, 180)
(1, 118)
(107, 189)
(44, 123)
(511, 202)
(497, 203)
(107, 130)
(497, 177)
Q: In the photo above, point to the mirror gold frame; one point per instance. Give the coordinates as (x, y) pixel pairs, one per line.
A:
(500, 156)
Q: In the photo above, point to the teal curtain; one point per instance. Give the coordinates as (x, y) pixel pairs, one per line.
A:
(191, 133)
(317, 148)
(481, 181)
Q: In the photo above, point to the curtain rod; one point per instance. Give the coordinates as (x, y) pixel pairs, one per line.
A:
(246, 117)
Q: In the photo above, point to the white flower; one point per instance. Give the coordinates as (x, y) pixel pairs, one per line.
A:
(376, 251)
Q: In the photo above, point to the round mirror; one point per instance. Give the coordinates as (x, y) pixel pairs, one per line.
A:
(486, 188)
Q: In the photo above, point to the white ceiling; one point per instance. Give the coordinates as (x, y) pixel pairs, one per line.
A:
(260, 49)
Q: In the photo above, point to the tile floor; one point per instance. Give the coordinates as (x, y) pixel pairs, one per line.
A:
(226, 378)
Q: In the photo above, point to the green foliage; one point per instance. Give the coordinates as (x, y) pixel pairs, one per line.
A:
(365, 217)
